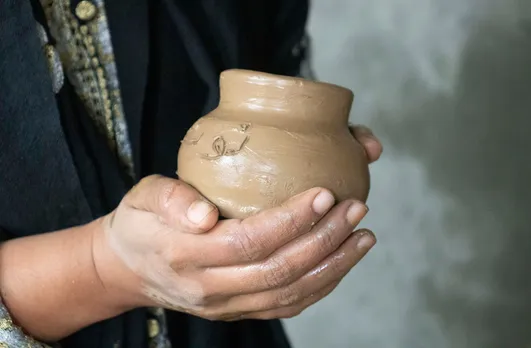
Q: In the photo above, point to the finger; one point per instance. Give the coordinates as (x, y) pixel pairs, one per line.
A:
(291, 262)
(176, 203)
(292, 311)
(236, 242)
(276, 313)
(371, 144)
(329, 271)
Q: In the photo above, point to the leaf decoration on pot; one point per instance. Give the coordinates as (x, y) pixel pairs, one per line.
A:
(220, 148)
(231, 152)
(219, 145)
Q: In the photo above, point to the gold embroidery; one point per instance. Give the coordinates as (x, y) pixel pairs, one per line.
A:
(85, 50)
(52, 59)
(6, 324)
(153, 328)
(85, 10)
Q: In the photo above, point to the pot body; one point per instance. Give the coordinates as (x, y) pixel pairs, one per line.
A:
(271, 138)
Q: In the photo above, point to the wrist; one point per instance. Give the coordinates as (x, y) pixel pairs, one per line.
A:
(50, 285)
(123, 288)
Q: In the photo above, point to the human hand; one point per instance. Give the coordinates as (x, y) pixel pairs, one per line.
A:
(164, 246)
(370, 143)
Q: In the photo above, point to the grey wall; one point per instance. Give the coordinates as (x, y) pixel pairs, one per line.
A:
(447, 86)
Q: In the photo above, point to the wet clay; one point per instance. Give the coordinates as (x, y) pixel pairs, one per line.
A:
(270, 138)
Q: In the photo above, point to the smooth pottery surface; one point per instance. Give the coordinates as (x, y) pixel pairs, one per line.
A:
(270, 138)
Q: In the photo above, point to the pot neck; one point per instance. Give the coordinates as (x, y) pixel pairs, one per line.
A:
(287, 101)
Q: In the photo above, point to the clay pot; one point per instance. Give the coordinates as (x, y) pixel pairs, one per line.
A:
(270, 138)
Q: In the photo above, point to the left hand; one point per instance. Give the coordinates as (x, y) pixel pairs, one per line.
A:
(370, 143)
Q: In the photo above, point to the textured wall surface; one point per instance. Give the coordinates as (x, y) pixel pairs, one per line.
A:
(446, 84)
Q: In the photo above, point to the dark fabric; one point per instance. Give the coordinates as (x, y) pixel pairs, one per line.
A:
(128, 23)
(39, 185)
(196, 332)
(55, 168)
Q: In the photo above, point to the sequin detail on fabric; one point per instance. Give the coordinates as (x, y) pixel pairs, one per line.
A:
(52, 59)
(12, 336)
(157, 329)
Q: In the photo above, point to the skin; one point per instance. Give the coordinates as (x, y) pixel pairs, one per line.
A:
(164, 246)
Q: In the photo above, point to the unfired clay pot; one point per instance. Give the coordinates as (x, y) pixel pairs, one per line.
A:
(270, 138)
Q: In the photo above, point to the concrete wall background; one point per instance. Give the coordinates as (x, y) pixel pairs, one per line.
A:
(446, 84)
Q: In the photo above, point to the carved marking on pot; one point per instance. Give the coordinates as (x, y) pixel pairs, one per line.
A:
(244, 127)
(231, 152)
(219, 145)
(220, 148)
(191, 141)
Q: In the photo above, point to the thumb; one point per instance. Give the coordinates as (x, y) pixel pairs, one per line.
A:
(176, 203)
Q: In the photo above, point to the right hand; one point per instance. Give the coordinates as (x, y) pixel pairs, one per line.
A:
(164, 246)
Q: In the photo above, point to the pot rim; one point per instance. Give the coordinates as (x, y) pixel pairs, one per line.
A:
(264, 78)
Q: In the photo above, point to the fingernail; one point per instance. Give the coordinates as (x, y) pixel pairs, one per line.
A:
(323, 202)
(198, 211)
(356, 212)
(366, 242)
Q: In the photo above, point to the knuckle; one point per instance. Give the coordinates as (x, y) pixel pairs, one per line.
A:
(288, 221)
(288, 296)
(148, 181)
(158, 189)
(337, 266)
(248, 248)
(326, 241)
(167, 193)
(278, 272)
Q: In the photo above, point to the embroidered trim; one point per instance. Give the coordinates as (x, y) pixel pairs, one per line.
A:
(52, 58)
(85, 51)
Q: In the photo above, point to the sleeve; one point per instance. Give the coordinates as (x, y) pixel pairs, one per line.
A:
(291, 51)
